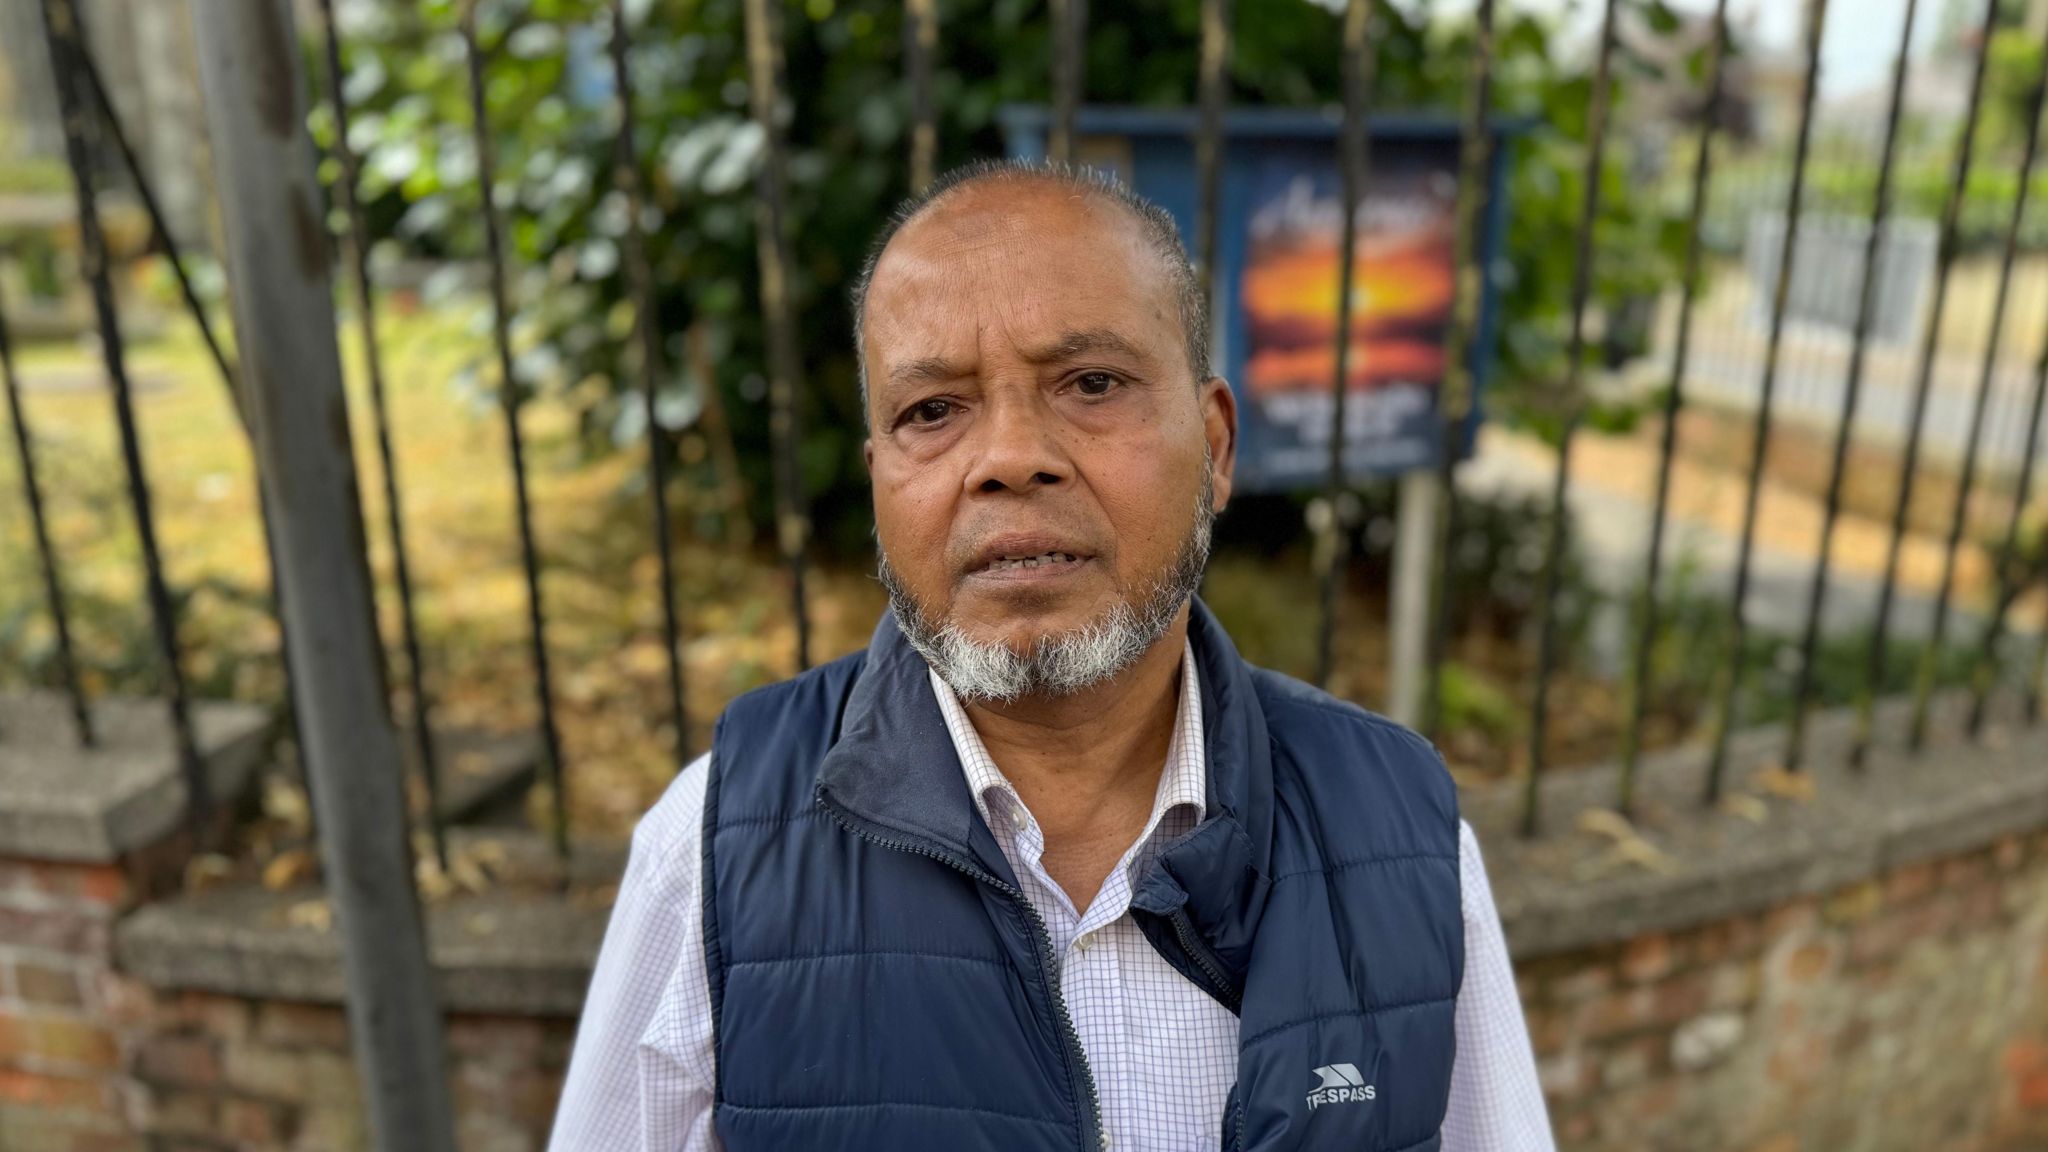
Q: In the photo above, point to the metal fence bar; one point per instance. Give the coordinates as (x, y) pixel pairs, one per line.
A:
(1582, 290)
(1930, 346)
(1866, 307)
(111, 119)
(785, 366)
(2037, 684)
(1354, 157)
(920, 44)
(646, 325)
(1210, 143)
(67, 49)
(508, 396)
(2010, 582)
(1760, 443)
(373, 365)
(46, 553)
(1454, 399)
(1069, 19)
(1674, 406)
(1930, 657)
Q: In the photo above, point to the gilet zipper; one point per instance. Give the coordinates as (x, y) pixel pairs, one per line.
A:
(1199, 953)
(1047, 967)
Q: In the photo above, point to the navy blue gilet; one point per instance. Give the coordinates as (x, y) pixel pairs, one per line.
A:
(878, 982)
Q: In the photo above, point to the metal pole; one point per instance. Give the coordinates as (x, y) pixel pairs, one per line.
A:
(1674, 407)
(1408, 625)
(2010, 582)
(1210, 142)
(1930, 657)
(920, 42)
(373, 362)
(1930, 344)
(1069, 24)
(1866, 307)
(284, 306)
(508, 398)
(785, 367)
(67, 49)
(46, 553)
(1788, 252)
(640, 284)
(1354, 154)
(1454, 402)
(1575, 354)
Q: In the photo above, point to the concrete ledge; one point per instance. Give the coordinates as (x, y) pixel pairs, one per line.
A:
(507, 952)
(62, 802)
(1572, 888)
(527, 949)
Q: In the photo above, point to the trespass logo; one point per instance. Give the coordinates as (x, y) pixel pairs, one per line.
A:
(1341, 1084)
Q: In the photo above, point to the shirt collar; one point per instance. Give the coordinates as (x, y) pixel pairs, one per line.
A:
(1183, 782)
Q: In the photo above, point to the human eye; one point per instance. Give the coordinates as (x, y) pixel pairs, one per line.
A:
(1096, 383)
(927, 412)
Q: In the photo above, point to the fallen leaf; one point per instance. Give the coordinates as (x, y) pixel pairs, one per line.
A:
(207, 871)
(1606, 822)
(1776, 781)
(316, 914)
(285, 801)
(1746, 807)
(289, 868)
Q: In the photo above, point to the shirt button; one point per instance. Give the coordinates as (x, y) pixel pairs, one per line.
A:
(1105, 1139)
(1082, 942)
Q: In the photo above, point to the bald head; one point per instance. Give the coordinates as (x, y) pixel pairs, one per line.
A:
(976, 196)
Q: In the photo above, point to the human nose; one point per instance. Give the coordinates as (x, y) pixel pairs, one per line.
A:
(1018, 450)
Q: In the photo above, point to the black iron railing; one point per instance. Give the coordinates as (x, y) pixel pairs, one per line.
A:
(88, 113)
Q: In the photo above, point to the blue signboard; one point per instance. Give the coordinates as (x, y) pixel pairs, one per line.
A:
(1276, 328)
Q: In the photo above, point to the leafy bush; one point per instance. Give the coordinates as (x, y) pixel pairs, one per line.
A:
(553, 122)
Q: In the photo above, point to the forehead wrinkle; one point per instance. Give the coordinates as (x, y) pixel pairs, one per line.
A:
(926, 369)
(1081, 342)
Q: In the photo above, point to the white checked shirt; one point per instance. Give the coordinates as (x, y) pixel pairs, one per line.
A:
(1162, 1051)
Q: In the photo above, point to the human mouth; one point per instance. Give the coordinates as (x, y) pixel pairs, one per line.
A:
(1027, 556)
(1024, 563)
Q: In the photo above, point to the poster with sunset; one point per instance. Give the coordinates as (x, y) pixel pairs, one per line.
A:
(1403, 288)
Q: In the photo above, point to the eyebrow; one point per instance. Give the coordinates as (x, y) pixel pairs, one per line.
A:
(1068, 346)
(1084, 342)
(924, 370)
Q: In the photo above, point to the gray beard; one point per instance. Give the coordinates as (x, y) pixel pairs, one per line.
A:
(1068, 662)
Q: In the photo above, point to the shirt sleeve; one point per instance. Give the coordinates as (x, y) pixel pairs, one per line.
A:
(640, 1077)
(1496, 1102)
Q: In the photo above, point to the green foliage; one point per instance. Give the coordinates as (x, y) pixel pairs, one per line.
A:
(553, 121)
(1473, 702)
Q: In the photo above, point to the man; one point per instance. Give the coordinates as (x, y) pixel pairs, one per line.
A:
(1049, 866)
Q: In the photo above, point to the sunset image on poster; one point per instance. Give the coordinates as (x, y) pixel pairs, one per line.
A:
(1401, 299)
(1403, 288)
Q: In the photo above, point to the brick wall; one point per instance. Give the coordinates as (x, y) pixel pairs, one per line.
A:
(1909, 1011)
(61, 1054)
(1862, 970)
(216, 1073)
(95, 1061)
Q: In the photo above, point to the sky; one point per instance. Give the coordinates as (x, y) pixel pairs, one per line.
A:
(1858, 46)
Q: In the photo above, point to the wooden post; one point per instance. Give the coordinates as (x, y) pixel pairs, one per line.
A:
(278, 268)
